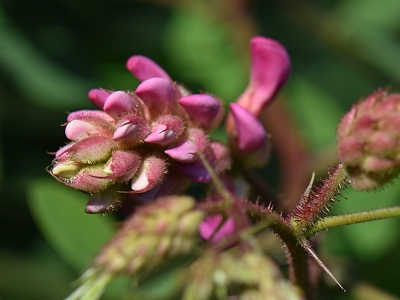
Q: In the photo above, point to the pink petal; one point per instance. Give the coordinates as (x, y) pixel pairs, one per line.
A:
(270, 68)
(157, 93)
(194, 171)
(211, 224)
(251, 135)
(98, 97)
(184, 152)
(119, 103)
(144, 68)
(77, 130)
(204, 110)
(160, 135)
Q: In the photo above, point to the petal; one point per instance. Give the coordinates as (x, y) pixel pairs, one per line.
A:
(194, 171)
(166, 129)
(98, 97)
(77, 130)
(144, 68)
(251, 135)
(211, 224)
(160, 135)
(119, 103)
(270, 68)
(204, 110)
(183, 152)
(157, 93)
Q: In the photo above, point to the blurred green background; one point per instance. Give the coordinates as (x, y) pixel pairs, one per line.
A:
(53, 52)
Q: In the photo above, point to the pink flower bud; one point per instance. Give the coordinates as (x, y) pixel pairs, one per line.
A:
(210, 228)
(81, 114)
(150, 174)
(204, 110)
(104, 201)
(119, 103)
(270, 68)
(91, 150)
(158, 95)
(89, 179)
(166, 129)
(184, 152)
(122, 165)
(98, 97)
(79, 129)
(144, 68)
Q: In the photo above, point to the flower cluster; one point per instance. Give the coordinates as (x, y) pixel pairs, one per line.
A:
(368, 140)
(146, 143)
(141, 144)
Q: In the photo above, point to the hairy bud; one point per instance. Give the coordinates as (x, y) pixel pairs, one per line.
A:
(369, 141)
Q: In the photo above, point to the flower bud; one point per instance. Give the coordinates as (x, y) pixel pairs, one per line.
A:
(251, 275)
(144, 68)
(156, 232)
(204, 110)
(368, 141)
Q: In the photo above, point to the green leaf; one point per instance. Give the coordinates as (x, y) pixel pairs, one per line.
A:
(59, 212)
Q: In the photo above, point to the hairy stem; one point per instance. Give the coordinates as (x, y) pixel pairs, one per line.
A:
(354, 218)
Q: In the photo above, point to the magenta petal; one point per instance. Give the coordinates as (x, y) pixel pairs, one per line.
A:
(144, 68)
(211, 224)
(98, 97)
(160, 135)
(125, 132)
(251, 135)
(119, 103)
(205, 110)
(270, 68)
(184, 152)
(157, 93)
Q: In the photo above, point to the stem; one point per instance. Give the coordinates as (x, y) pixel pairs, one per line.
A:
(354, 218)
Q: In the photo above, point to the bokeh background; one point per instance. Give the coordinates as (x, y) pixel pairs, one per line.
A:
(53, 51)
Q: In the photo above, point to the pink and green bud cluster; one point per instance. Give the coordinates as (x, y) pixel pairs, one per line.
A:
(140, 144)
(156, 232)
(369, 140)
(251, 275)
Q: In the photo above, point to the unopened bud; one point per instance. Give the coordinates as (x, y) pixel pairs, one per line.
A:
(369, 141)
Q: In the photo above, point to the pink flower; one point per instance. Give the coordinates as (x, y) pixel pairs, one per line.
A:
(127, 149)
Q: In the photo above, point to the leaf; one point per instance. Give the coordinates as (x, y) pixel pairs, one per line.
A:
(59, 212)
